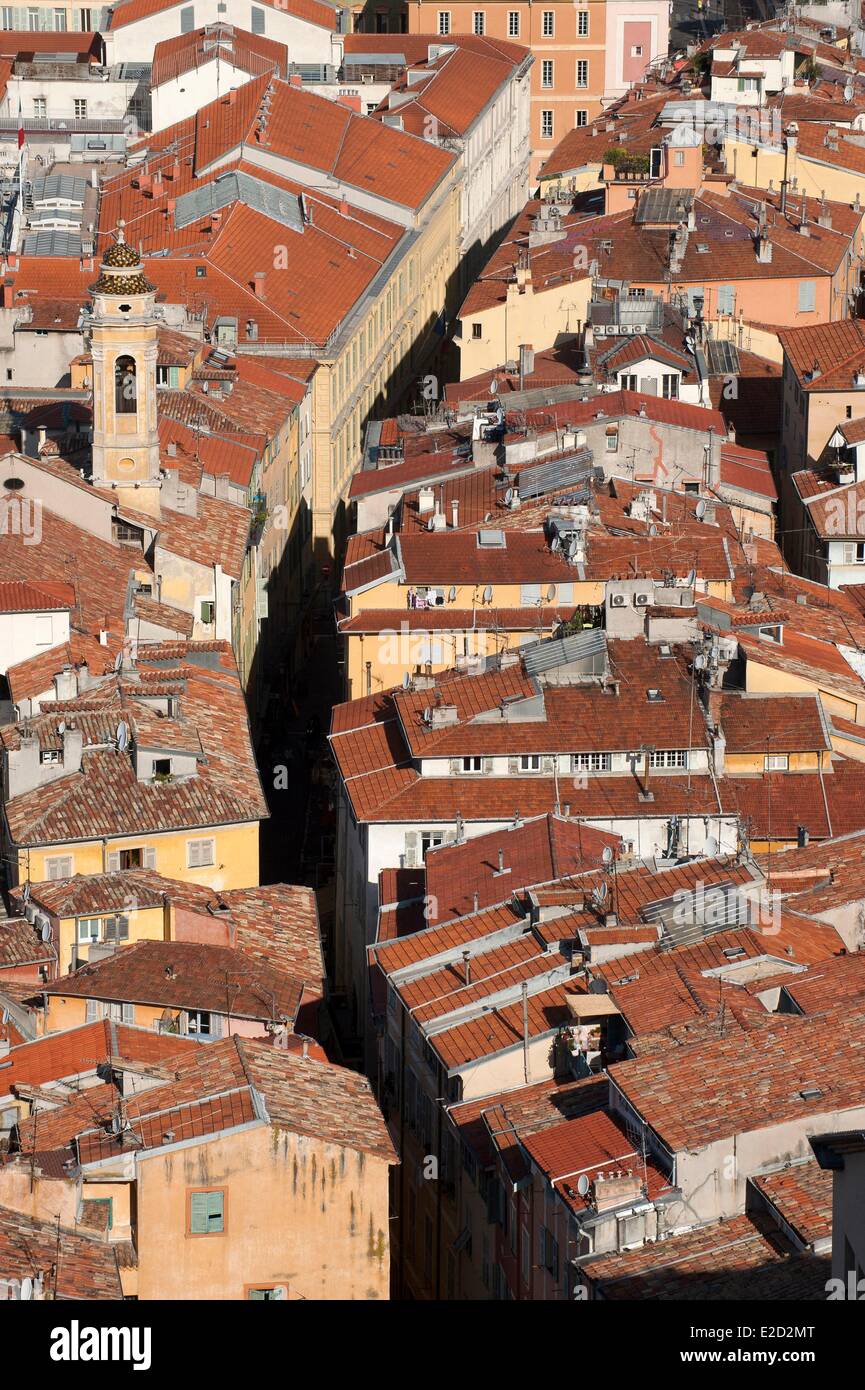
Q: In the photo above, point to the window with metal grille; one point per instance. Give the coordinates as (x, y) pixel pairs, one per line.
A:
(669, 757)
(591, 762)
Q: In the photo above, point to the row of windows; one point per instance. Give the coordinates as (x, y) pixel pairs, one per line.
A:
(81, 19)
(628, 381)
(548, 23)
(79, 107)
(200, 854)
(585, 762)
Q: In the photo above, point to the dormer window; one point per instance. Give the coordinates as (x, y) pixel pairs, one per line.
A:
(161, 769)
(50, 757)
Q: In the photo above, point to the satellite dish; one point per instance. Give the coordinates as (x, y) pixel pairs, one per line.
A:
(555, 544)
(551, 592)
(26, 1287)
(122, 735)
(689, 582)
(602, 892)
(607, 854)
(452, 593)
(653, 530)
(5, 1016)
(26, 892)
(116, 1123)
(582, 1185)
(488, 594)
(430, 526)
(848, 92)
(710, 848)
(494, 387)
(61, 727)
(699, 662)
(488, 517)
(118, 661)
(406, 681)
(509, 496)
(700, 510)
(45, 933)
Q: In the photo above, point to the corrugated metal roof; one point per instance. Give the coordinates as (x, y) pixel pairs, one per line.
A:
(52, 243)
(235, 187)
(562, 651)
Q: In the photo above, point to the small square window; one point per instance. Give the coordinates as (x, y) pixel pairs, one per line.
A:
(477, 330)
(206, 1213)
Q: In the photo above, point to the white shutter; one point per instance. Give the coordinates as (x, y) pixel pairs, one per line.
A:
(513, 766)
(412, 849)
(128, 1013)
(548, 764)
(113, 861)
(149, 858)
(216, 1025)
(92, 1010)
(488, 765)
(455, 766)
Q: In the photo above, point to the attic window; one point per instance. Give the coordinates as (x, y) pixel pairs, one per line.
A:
(734, 952)
(702, 248)
(491, 539)
(811, 1093)
(200, 271)
(654, 695)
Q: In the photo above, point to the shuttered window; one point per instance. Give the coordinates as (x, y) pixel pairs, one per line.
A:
(206, 1213)
(807, 296)
(58, 866)
(187, 19)
(257, 24)
(200, 853)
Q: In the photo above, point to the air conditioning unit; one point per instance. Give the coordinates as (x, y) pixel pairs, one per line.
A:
(618, 601)
(642, 600)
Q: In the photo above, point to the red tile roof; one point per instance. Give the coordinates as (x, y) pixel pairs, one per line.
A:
(742, 1258)
(310, 11)
(237, 48)
(187, 975)
(71, 1265)
(538, 851)
(18, 597)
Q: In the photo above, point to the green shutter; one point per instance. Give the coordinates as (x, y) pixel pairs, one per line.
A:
(259, 1294)
(206, 1212)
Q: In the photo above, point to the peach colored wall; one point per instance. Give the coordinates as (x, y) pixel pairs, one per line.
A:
(299, 1211)
(565, 47)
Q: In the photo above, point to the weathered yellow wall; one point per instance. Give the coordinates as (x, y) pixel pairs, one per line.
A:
(298, 1211)
(235, 854)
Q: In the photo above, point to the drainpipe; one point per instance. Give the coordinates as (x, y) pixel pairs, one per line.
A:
(526, 1031)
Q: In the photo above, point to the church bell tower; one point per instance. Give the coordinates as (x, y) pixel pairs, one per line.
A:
(123, 344)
